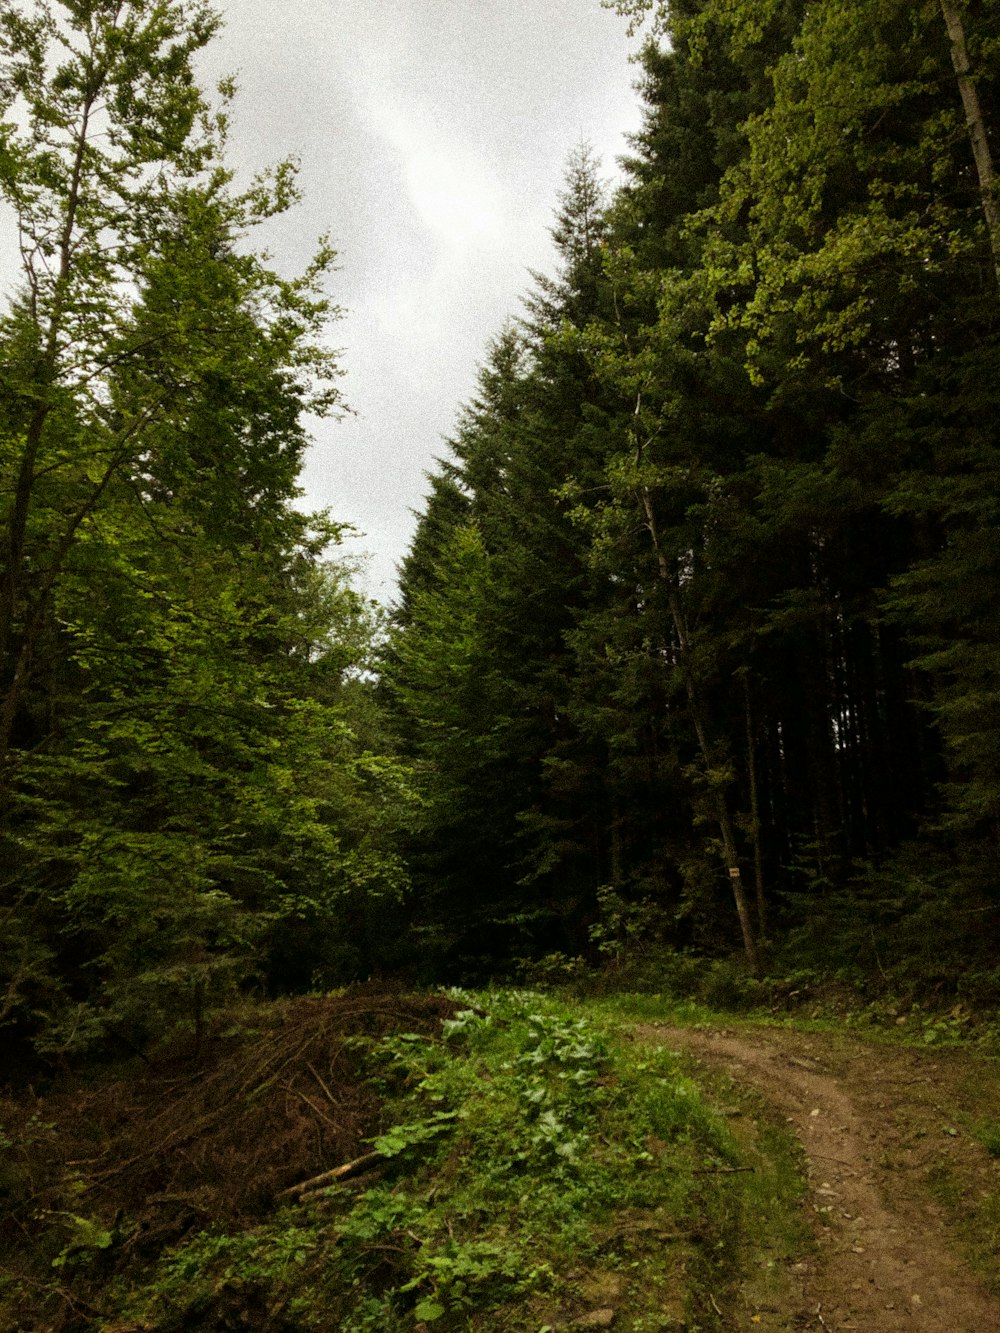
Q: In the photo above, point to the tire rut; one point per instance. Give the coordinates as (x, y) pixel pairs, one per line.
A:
(883, 1259)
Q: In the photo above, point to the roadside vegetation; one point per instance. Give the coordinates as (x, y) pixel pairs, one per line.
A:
(521, 1166)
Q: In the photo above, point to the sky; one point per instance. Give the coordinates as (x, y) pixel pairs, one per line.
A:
(432, 137)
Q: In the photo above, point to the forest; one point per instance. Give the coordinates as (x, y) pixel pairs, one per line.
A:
(697, 636)
(695, 651)
(689, 695)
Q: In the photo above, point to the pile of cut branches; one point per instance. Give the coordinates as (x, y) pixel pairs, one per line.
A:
(133, 1163)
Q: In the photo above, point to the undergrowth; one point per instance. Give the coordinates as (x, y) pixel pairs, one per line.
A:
(531, 1169)
(691, 989)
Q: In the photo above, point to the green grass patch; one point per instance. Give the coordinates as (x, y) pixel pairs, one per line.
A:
(537, 1168)
(975, 1213)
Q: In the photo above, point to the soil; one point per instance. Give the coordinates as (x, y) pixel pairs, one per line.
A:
(273, 1097)
(880, 1126)
(211, 1134)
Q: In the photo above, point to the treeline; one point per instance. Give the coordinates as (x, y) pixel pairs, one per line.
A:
(697, 638)
(697, 641)
(194, 797)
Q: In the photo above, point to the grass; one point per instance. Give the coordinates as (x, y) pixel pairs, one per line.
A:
(975, 1214)
(767, 1226)
(537, 1166)
(828, 1010)
(963, 1105)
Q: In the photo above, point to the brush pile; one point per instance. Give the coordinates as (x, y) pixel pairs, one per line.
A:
(134, 1162)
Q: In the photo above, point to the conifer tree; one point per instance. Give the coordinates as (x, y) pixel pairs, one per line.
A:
(733, 488)
(179, 778)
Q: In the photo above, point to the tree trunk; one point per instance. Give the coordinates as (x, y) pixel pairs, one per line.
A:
(977, 127)
(758, 855)
(722, 816)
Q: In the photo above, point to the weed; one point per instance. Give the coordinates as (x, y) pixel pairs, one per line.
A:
(523, 1145)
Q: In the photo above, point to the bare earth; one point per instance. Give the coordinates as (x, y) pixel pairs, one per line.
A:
(873, 1122)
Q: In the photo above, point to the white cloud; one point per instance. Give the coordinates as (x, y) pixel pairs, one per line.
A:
(453, 192)
(454, 198)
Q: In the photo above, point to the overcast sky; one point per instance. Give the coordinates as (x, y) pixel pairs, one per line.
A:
(432, 136)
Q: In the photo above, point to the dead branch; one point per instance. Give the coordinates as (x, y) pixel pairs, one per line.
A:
(330, 1097)
(297, 1092)
(356, 1168)
(722, 1170)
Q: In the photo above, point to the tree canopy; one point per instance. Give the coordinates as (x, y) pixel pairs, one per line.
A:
(696, 642)
(188, 796)
(737, 492)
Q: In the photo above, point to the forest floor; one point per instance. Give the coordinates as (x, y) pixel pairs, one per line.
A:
(904, 1196)
(541, 1164)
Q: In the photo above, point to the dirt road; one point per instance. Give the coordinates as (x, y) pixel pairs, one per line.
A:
(877, 1125)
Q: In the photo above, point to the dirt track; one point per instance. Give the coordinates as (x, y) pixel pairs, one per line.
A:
(873, 1125)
